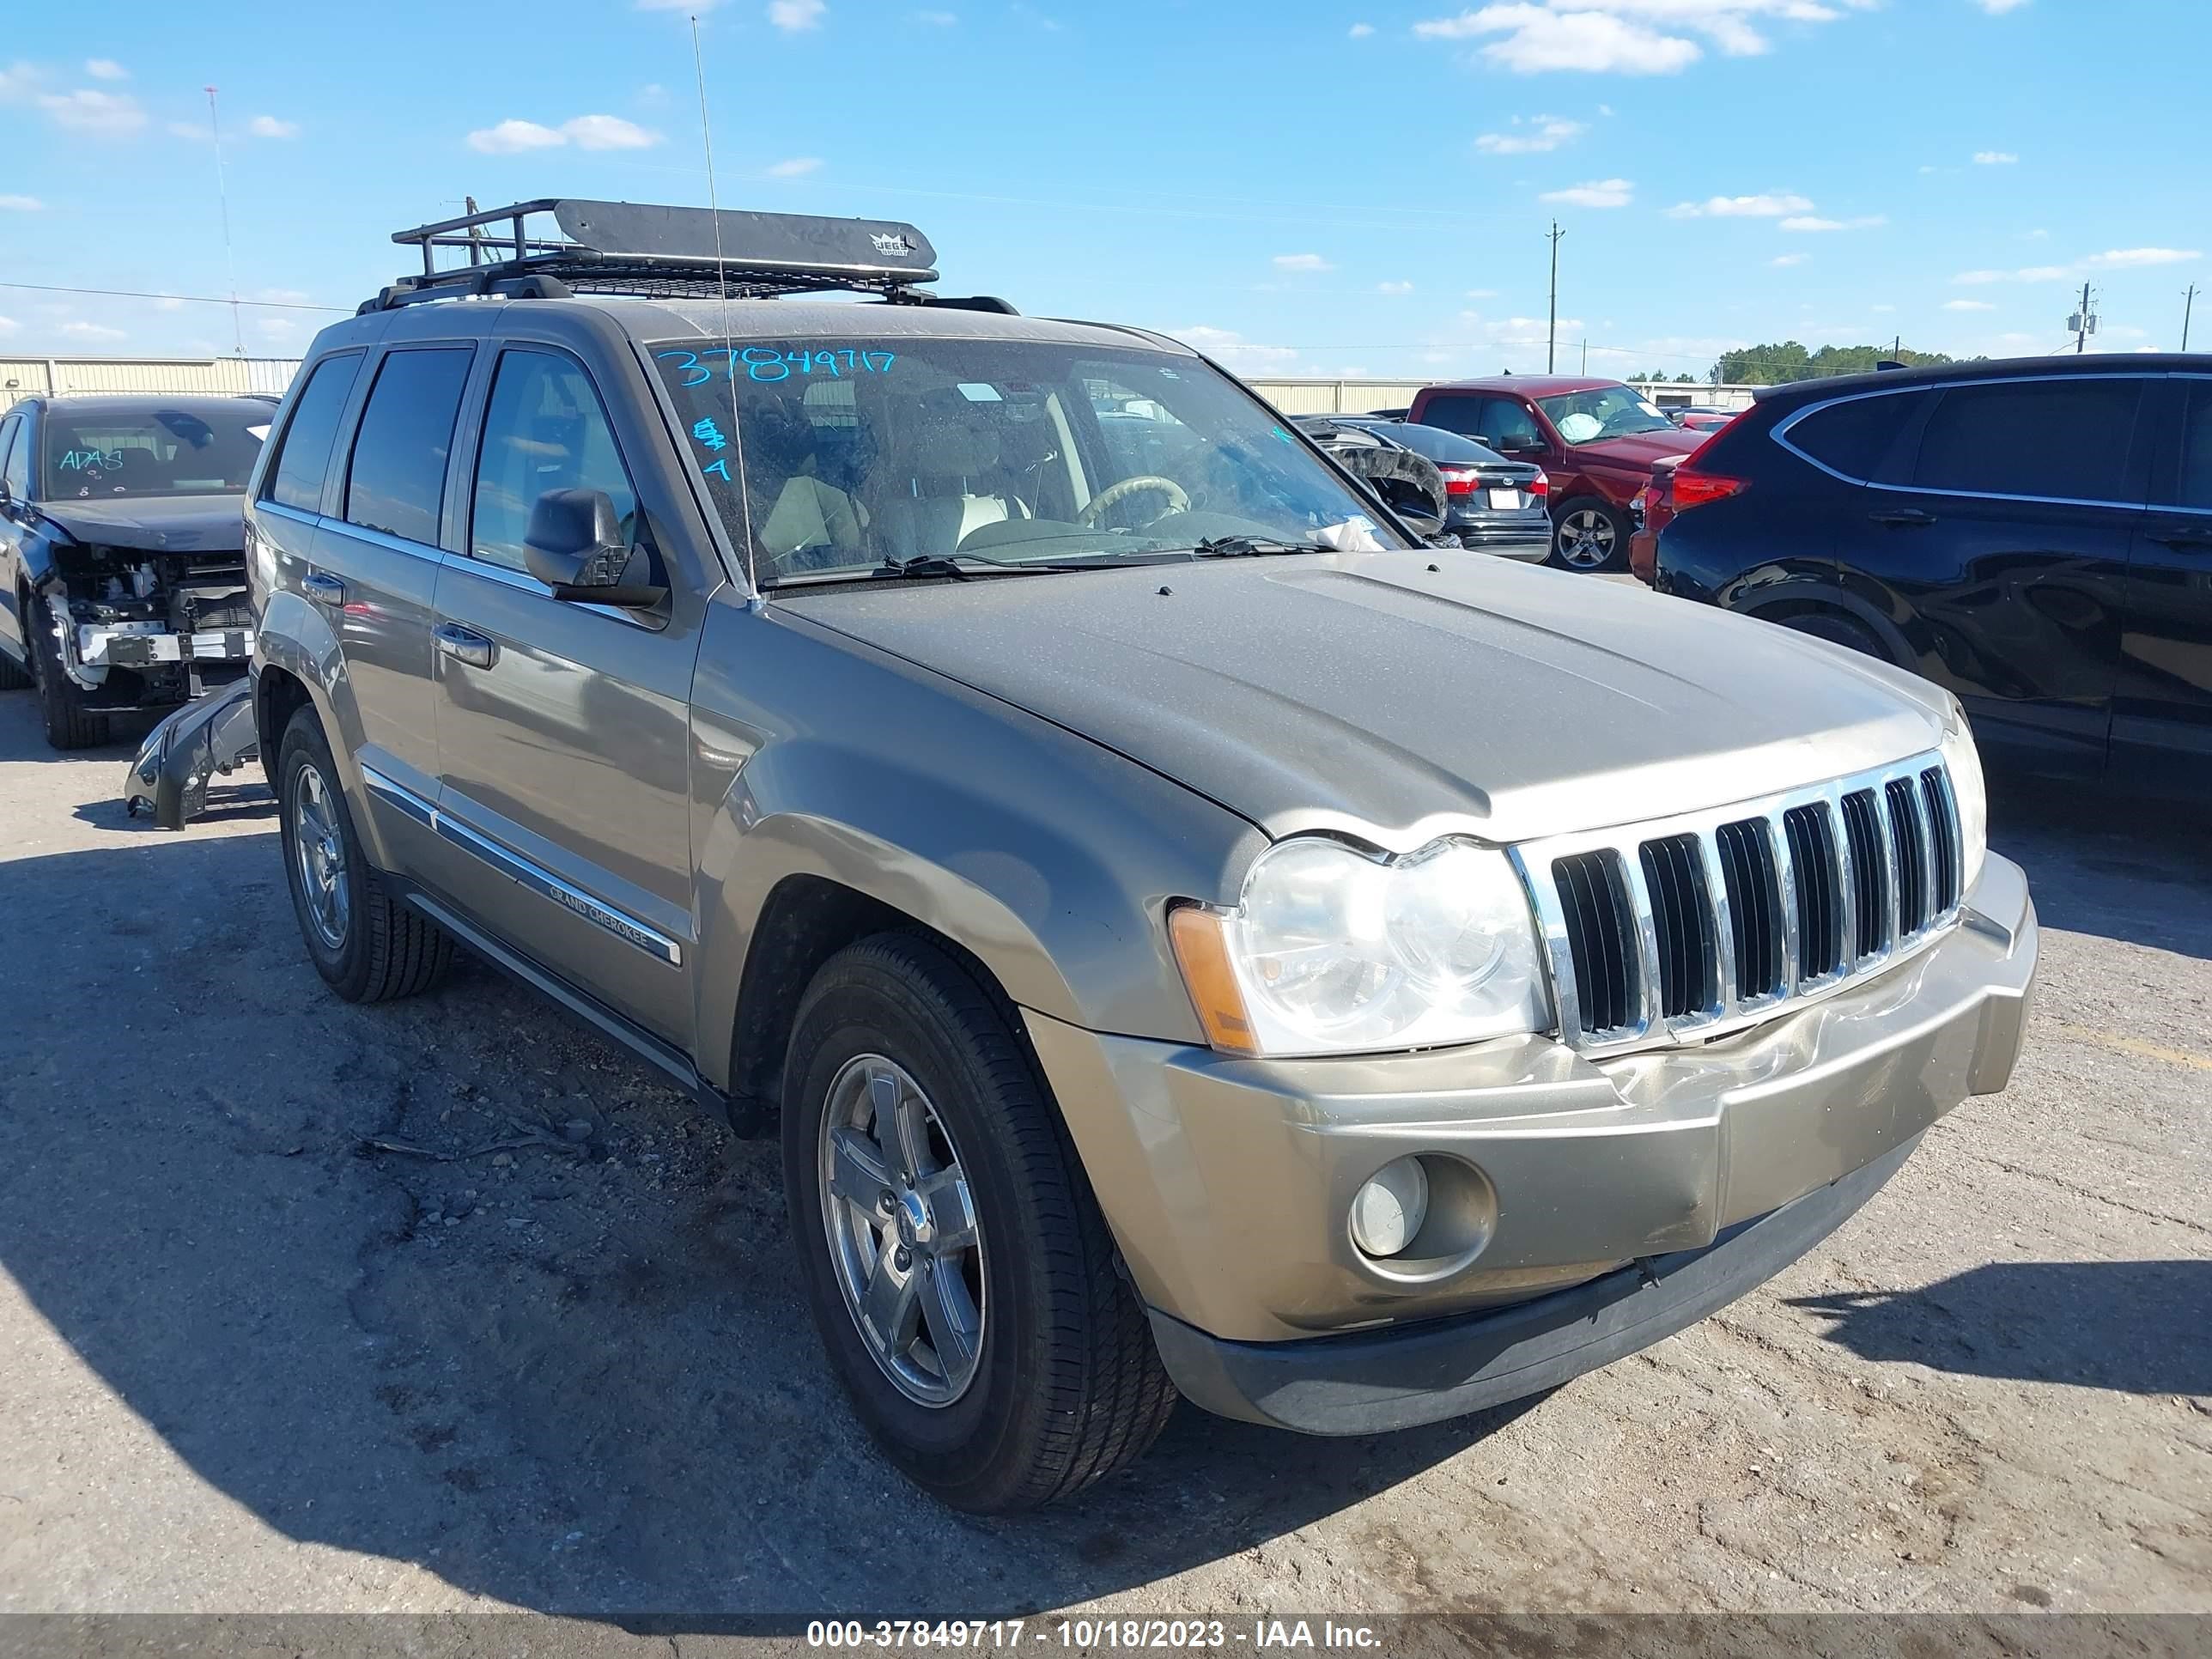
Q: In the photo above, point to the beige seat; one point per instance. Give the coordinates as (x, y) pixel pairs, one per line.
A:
(813, 517)
(951, 483)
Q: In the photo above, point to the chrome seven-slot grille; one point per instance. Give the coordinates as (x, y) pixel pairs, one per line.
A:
(1700, 924)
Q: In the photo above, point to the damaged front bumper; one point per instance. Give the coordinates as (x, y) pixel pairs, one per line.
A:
(142, 645)
(210, 738)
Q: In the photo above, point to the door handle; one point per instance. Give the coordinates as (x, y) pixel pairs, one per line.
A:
(322, 589)
(466, 645)
(1903, 518)
(2182, 535)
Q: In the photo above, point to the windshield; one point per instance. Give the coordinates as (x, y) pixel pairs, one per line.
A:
(159, 451)
(855, 455)
(1606, 411)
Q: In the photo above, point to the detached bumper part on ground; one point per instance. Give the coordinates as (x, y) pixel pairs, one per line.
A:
(1227, 1182)
(169, 779)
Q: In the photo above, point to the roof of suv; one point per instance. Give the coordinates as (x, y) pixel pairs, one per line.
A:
(1990, 369)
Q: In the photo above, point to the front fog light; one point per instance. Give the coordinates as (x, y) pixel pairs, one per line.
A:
(1388, 1211)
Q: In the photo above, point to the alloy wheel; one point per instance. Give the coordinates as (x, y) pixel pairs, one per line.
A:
(902, 1233)
(1585, 538)
(319, 851)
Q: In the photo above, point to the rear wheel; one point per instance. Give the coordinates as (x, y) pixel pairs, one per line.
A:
(1838, 630)
(1589, 534)
(69, 724)
(959, 1271)
(368, 945)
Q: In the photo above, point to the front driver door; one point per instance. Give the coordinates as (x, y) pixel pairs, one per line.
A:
(564, 742)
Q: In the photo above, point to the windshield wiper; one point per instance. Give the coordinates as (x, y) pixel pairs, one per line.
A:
(1248, 547)
(922, 564)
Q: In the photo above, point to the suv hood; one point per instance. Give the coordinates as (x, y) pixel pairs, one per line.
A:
(1398, 697)
(155, 524)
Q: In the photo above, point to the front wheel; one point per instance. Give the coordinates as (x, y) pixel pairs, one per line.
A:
(960, 1274)
(1589, 534)
(69, 724)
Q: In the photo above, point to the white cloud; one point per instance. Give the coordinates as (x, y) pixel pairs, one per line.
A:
(794, 16)
(1301, 262)
(268, 126)
(1625, 37)
(105, 114)
(608, 132)
(168, 303)
(193, 133)
(1393, 288)
(937, 19)
(1809, 222)
(1968, 305)
(796, 168)
(105, 68)
(512, 138)
(1543, 133)
(20, 205)
(652, 93)
(8, 325)
(1999, 7)
(1772, 205)
(2037, 235)
(275, 328)
(1783, 260)
(91, 332)
(1360, 31)
(1597, 193)
(1232, 348)
(2124, 258)
(1994, 158)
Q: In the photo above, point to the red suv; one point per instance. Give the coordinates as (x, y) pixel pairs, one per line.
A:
(1598, 439)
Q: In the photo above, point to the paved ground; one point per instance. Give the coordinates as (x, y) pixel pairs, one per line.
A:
(247, 1365)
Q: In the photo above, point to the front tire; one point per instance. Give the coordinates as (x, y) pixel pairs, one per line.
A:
(959, 1271)
(1589, 534)
(368, 945)
(69, 724)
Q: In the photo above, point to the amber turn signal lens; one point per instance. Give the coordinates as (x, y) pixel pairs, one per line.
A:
(1203, 955)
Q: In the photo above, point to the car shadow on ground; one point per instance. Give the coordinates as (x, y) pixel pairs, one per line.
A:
(574, 1379)
(2127, 869)
(2135, 1326)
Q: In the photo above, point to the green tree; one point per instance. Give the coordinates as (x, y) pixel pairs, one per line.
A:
(1787, 359)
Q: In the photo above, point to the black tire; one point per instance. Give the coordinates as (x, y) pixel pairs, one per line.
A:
(69, 724)
(1590, 522)
(383, 948)
(1838, 630)
(1067, 1385)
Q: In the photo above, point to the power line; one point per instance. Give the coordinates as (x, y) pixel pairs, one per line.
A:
(182, 299)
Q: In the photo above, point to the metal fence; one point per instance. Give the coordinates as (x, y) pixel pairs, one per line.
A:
(24, 377)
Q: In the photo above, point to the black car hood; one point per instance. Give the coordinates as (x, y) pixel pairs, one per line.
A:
(156, 524)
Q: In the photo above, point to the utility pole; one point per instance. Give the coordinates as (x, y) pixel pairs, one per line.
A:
(222, 196)
(1585, 354)
(2188, 305)
(1551, 338)
(2085, 324)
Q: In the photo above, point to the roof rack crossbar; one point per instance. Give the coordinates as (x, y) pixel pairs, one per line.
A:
(662, 251)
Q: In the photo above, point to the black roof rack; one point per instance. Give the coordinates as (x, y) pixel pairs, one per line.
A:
(665, 252)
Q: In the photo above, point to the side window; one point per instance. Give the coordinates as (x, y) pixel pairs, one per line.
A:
(16, 473)
(544, 429)
(304, 456)
(2063, 439)
(397, 483)
(1506, 423)
(1854, 438)
(1454, 414)
(2196, 489)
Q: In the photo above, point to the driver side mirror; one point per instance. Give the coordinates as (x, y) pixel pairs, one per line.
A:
(574, 546)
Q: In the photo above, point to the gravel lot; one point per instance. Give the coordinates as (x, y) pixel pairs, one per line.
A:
(249, 1364)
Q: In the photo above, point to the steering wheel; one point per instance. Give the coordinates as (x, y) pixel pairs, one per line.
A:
(1115, 494)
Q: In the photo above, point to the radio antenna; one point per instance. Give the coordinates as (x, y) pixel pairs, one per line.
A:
(222, 196)
(744, 526)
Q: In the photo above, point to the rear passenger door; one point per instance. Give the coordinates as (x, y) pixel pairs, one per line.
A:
(374, 572)
(564, 728)
(2162, 705)
(1996, 534)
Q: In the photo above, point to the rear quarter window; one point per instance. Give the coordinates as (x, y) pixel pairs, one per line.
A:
(1855, 437)
(2048, 440)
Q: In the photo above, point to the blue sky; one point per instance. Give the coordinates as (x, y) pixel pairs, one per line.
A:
(1360, 187)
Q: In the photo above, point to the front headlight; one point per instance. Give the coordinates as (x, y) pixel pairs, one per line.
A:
(1334, 950)
(1964, 762)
